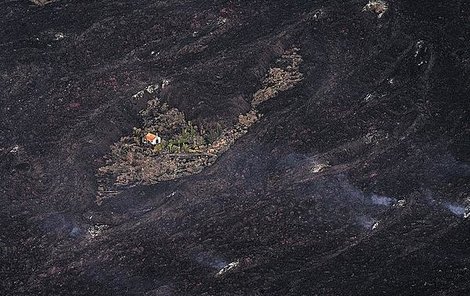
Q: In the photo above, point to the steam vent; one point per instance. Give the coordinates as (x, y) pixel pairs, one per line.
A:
(232, 148)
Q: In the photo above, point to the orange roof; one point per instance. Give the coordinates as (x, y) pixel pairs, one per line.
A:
(150, 137)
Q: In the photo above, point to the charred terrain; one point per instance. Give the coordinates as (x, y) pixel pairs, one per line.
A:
(309, 147)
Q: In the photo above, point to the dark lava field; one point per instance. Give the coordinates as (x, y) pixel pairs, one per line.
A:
(352, 177)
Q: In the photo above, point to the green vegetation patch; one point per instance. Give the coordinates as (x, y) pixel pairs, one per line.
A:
(184, 148)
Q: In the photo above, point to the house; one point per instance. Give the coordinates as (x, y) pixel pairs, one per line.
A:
(152, 139)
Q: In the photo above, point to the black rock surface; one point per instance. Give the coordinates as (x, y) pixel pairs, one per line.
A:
(354, 182)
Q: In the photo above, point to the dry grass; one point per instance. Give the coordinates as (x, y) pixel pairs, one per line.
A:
(248, 119)
(280, 78)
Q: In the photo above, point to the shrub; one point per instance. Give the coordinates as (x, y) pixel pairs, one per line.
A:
(377, 6)
(42, 2)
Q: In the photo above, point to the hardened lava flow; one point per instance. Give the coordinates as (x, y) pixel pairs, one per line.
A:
(232, 147)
